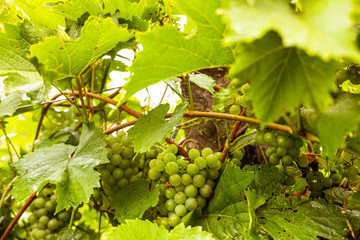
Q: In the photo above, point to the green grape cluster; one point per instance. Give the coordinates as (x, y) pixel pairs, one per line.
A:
(123, 167)
(237, 156)
(243, 100)
(284, 153)
(43, 223)
(185, 185)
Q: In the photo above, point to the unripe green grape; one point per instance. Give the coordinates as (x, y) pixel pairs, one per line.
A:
(206, 191)
(280, 168)
(238, 154)
(43, 220)
(210, 182)
(327, 182)
(63, 216)
(193, 154)
(191, 204)
(53, 224)
(127, 152)
(283, 141)
(39, 202)
(116, 148)
(245, 89)
(198, 180)
(40, 212)
(180, 188)
(170, 205)
(190, 190)
(259, 138)
(54, 198)
(128, 172)
(218, 155)
(174, 219)
(46, 192)
(206, 152)
(125, 163)
(200, 162)
(150, 154)
(297, 142)
(32, 219)
(281, 151)
(169, 157)
(269, 138)
(111, 140)
(164, 221)
(111, 180)
(159, 165)
(292, 171)
(49, 206)
(182, 164)
(212, 174)
(203, 173)
(133, 178)
(201, 201)
(218, 166)
(108, 153)
(126, 141)
(123, 182)
(170, 193)
(294, 152)
(186, 179)
(180, 210)
(270, 151)
(153, 174)
(303, 162)
(287, 160)
(172, 148)
(274, 159)
(172, 168)
(235, 110)
(135, 170)
(120, 135)
(175, 180)
(192, 169)
(211, 160)
(244, 101)
(180, 197)
(152, 163)
(40, 233)
(118, 173)
(115, 159)
(160, 156)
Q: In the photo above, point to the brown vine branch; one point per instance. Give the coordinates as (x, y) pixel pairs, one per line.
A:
(120, 126)
(18, 215)
(182, 151)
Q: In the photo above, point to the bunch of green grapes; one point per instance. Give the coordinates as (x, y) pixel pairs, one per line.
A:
(284, 153)
(43, 223)
(185, 185)
(243, 100)
(123, 167)
(236, 156)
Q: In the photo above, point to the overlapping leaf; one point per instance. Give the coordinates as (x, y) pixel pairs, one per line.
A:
(153, 128)
(282, 78)
(74, 9)
(310, 220)
(145, 230)
(14, 63)
(167, 53)
(333, 125)
(70, 58)
(9, 104)
(323, 28)
(203, 81)
(71, 168)
(132, 201)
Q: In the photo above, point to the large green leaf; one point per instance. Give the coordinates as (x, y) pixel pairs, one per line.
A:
(71, 168)
(132, 201)
(167, 53)
(69, 58)
(127, 9)
(227, 215)
(333, 125)
(310, 220)
(41, 15)
(146, 230)
(21, 73)
(74, 9)
(322, 28)
(9, 104)
(282, 78)
(153, 128)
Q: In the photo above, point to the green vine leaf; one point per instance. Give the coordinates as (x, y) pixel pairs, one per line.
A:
(71, 57)
(74, 9)
(313, 29)
(167, 53)
(132, 201)
(309, 220)
(333, 125)
(9, 104)
(152, 128)
(20, 73)
(203, 81)
(70, 167)
(282, 78)
(145, 230)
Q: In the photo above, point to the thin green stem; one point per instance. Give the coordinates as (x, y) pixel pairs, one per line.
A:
(72, 217)
(9, 141)
(75, 102)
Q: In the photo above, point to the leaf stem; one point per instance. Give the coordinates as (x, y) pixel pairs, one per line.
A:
(72, 218)
(187, 79)
(82, 99)
(9, 141)
(18, 215)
